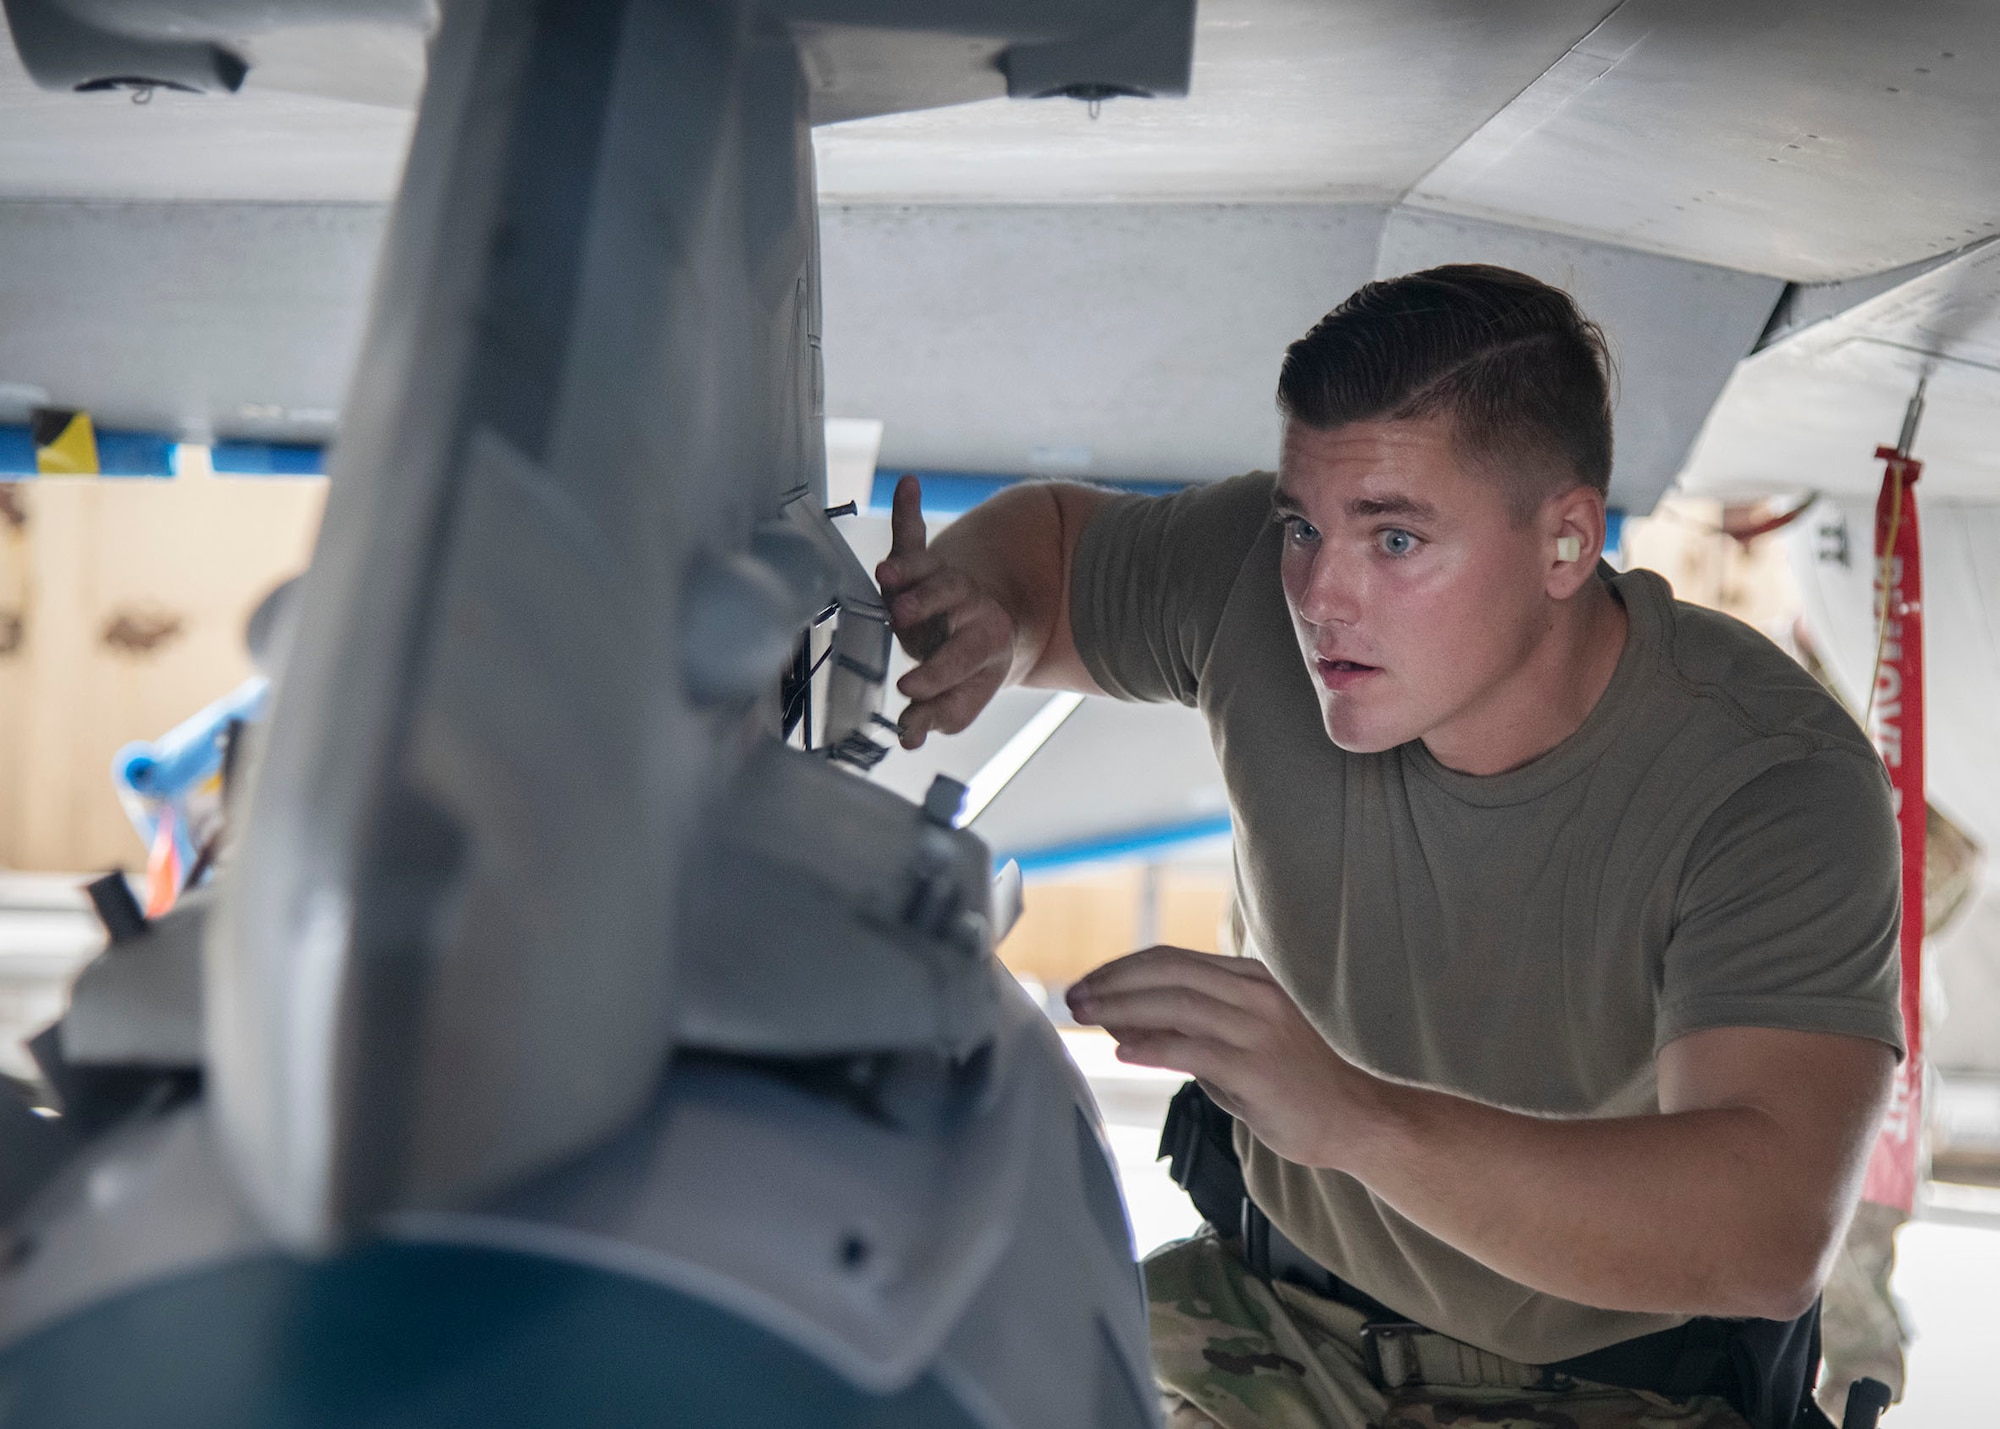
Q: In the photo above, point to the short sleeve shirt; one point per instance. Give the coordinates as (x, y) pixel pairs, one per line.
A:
(1714, 847)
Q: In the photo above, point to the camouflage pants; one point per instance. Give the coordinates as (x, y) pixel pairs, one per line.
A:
(1234, 1352)
(1862, 1325)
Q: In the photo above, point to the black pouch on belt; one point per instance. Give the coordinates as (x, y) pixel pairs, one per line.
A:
(1199, 1142)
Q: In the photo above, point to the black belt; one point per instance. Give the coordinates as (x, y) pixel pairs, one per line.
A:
(1764, 1369)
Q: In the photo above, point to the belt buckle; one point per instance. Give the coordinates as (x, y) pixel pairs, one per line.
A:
(1387, 1350)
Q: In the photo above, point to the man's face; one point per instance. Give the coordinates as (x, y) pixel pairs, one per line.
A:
(1414, 592)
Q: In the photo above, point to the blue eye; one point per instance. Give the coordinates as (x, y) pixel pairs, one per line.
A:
(1298, 529)
(1397, 543)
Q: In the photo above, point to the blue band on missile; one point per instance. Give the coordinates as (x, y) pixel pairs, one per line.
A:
(267, 459)
(953, 493)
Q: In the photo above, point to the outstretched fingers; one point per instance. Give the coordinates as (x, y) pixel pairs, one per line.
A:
(909, 560)
(1178, 1052)
(947, 714)
(942, 590)
(1182, 1009)
(1242, 981)
(977, 644)
(960, 635)
(906, 519)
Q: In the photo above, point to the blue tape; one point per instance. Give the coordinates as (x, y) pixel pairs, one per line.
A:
(119, 453)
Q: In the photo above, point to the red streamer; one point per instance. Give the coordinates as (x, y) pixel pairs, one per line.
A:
(1897, 727)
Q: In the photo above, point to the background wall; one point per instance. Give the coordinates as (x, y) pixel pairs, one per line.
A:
(122, 607)
(1073, 922)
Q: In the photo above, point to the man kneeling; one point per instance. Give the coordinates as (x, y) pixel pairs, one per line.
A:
(1567, 1003)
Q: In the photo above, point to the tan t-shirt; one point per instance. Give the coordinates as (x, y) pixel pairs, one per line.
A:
(1714, 847)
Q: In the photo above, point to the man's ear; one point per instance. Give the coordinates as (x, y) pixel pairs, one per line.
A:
(1572, 527)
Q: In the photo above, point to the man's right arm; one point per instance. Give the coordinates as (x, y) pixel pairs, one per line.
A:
(986, 605)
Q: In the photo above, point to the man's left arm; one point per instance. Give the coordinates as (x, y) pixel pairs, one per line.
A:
(1731, 1202)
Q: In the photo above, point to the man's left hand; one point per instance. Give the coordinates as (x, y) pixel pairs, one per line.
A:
(1227, 1023)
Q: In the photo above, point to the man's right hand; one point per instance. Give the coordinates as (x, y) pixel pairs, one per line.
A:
(960, 635)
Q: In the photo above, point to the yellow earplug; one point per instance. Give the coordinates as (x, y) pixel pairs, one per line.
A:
(1568, 548)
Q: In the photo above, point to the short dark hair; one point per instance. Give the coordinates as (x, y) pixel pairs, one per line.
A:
(1523, 374)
